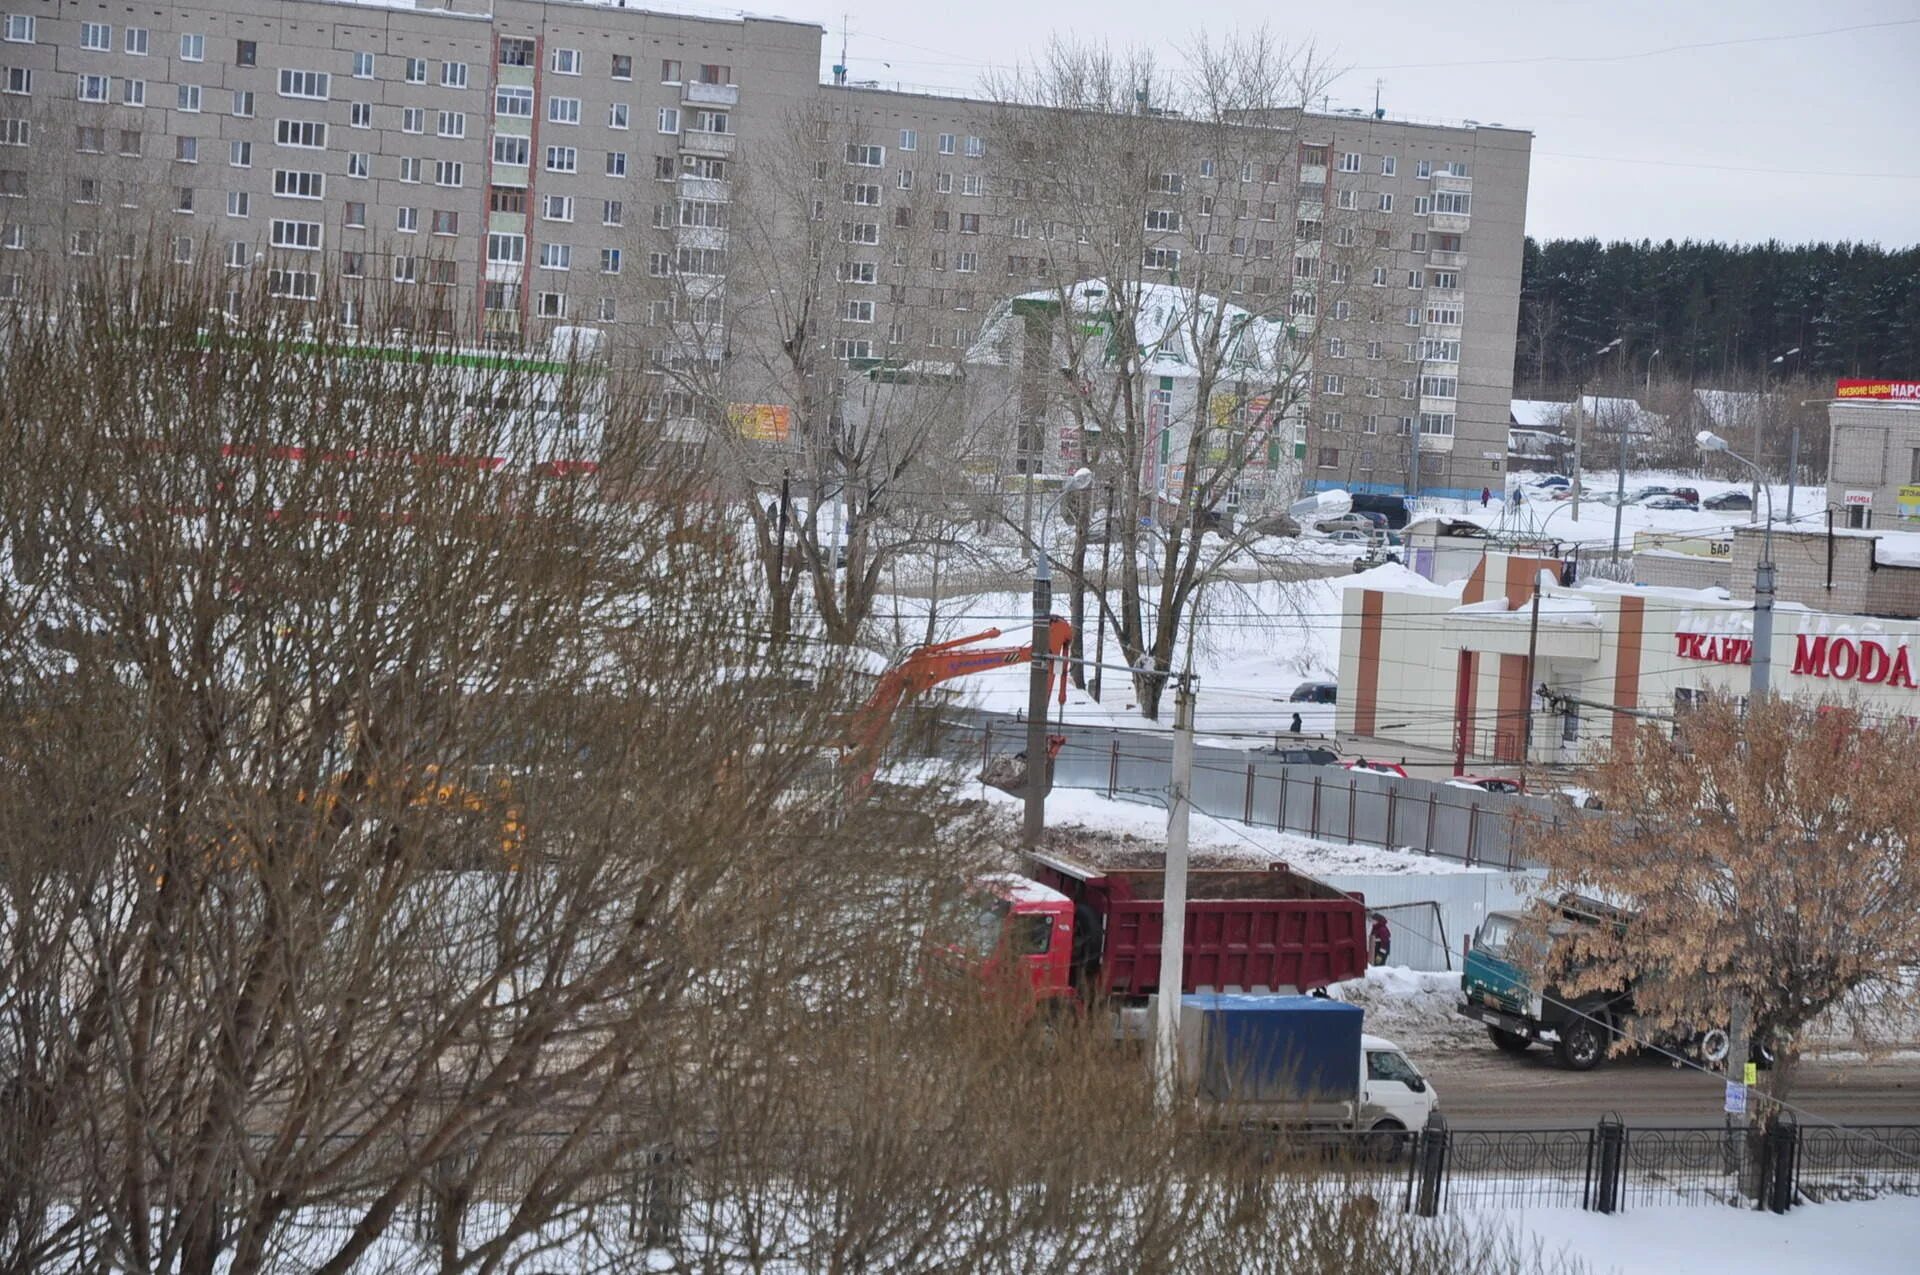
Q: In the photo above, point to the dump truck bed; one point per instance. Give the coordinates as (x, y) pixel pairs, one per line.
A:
(1247, 929)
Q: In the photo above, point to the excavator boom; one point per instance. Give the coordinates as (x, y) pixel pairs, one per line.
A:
(926, 667)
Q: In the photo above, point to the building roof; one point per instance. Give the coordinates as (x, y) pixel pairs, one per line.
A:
(1165, 315)
(1536, 413)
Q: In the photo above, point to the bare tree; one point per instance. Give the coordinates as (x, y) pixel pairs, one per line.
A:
(1768, 854)
(1177, 315)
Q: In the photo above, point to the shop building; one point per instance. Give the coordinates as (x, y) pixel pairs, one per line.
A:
(1445, 670)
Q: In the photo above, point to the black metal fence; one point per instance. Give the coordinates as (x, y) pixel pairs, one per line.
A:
(1610, 1167)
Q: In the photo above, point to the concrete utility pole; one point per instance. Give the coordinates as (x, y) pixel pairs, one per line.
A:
(1757, 688)
(1533, 646)
(1793, 470)
(1173, 908)
(1036, 795)
(1579, 414)
(1620, 489)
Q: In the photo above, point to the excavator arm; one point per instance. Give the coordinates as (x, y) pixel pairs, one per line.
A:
(926, 667)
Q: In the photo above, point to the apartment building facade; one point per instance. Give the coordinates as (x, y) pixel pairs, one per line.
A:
(516, 164)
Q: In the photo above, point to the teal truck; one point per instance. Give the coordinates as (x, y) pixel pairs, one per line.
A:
(1499, 994)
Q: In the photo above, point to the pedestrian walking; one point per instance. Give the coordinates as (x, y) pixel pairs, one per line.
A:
(1382, 935)
(1486, 495)
(1295, 728)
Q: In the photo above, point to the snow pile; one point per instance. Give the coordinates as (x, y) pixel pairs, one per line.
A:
(1136, 824)
(1862, 1238)
(1417, 1011)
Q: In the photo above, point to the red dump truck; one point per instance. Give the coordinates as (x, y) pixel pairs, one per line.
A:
(1090, 933)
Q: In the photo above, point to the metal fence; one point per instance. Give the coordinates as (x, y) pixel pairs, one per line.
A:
(1323, 802)
(1611, 1167)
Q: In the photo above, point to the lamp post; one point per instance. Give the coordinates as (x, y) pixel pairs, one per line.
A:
(1737, 1026)
(1036, 807)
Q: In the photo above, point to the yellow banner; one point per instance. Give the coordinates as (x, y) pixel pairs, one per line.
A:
(762, 422)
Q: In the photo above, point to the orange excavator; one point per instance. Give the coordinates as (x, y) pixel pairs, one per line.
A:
(926, 667)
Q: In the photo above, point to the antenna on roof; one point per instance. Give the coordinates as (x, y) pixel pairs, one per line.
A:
(1377, 112)
(840, 70)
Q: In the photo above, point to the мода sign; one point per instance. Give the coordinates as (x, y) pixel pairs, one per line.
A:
(1862, 659)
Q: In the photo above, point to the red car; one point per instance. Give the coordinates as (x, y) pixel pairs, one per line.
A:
(1364, 766)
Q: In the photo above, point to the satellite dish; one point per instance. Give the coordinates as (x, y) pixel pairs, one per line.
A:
(1321, 505)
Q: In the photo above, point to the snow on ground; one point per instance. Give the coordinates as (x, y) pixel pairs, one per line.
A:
(1417, 1011)
(1257, 642)
(1866, 1237)
(1554, 519)
(1074, 809)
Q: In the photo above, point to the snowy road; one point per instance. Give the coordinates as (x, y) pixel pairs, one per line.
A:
(1483, 1088)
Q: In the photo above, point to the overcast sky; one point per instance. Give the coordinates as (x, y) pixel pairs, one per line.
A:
(1764, 129)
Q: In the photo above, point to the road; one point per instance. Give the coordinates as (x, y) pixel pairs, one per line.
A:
(1487, 1089)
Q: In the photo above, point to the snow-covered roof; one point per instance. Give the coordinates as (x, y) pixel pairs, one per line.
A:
(1728, 408)
(1536, 413)
(1619, 413)
(1164, 318)
(1897, 549)
(1019, 889)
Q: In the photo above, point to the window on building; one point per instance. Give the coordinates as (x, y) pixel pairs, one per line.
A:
(446, 222)
(413, 119)
(563, 110)
(617, 115)
(296, 236)
(616, 163)
(313, 85)
(136, 41)
(187, 97)
(611, 212)
(1386, 201)
(406, 220)
(355, 217)
(293, 184)
(563, 159)
(449, 172)
(96, 37)
(239, 203)
(20, 81)
(716, 73)
(410, 166)
(516, 51)
(93, 88)
(511, 151)
(513, 102)
(243, 104)
(19, 28)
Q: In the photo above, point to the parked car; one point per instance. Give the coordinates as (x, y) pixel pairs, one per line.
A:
(1664, 502)
(1277, 525)
(1345, 522)
(1688, 494)
(1348, 536)
(1488, 783)
(1365, 767)
(1728, 500)
(1378, 519)
(1393, 507)
(1292, 755)
(1316, 693)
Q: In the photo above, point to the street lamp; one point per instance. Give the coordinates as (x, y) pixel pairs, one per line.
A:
(1762, 571)
(1036, 796)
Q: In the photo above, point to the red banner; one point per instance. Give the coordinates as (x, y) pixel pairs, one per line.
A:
(1895, 391)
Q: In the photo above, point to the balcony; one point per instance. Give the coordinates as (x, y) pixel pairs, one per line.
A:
(1447, 181)
(712, 145)
(504, 271)
(1436, 442)
(694, 93)
(1446, 260)
(1445, 296)
(1313, 174)
(702, 188)
(1448, 223)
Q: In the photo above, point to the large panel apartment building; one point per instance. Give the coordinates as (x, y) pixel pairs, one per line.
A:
(523, 163)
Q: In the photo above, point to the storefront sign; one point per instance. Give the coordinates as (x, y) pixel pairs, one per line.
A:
(1863, 659)
(1695, 546)
(1713, 648)
(1859, 498)
(1907, 501)
(1896, 391)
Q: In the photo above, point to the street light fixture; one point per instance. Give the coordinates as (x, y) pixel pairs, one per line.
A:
(1762, 571)
(1036, 795)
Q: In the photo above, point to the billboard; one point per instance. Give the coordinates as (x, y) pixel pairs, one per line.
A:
(1883, 391)
(761, 422)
